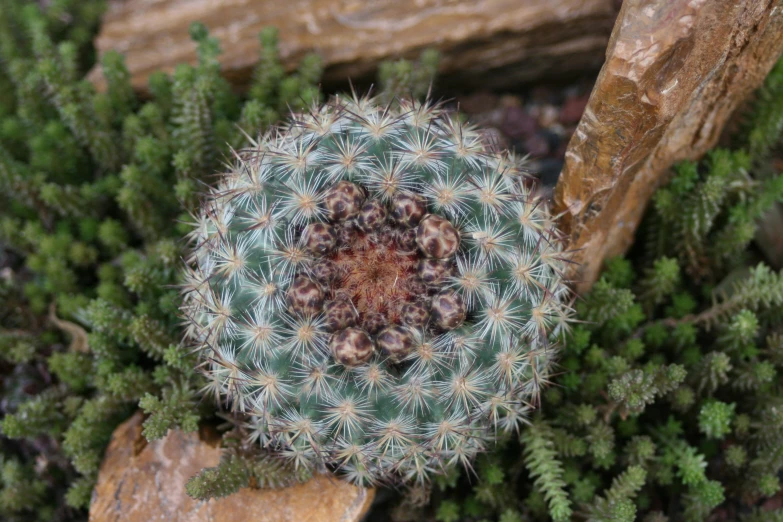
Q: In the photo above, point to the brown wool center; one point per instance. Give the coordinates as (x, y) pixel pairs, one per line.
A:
(376, 276)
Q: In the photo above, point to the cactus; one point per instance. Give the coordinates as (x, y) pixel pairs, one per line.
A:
(376, 289)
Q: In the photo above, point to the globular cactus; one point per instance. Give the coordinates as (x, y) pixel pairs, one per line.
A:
(376, 289)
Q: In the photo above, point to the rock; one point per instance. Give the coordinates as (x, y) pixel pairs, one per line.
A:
(145, 482)
(476, 38)
(675, 71)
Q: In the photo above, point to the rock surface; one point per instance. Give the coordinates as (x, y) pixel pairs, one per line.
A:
(141, 482)
(476, 37)
(675, 71)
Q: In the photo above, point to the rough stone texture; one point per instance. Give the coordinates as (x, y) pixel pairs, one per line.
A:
(476, 37)
(675, 71)
(141, 482)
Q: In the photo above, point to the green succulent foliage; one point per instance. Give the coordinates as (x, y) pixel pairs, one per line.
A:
(406, 78)
(546, 469)
(228, 477)
(764, 126)
(669, 403)
(715, 419)
(21, 490)
(241, 467)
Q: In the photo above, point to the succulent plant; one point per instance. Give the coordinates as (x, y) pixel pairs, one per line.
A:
(376, 289)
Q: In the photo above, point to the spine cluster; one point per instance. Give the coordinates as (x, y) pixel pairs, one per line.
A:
(377, 289)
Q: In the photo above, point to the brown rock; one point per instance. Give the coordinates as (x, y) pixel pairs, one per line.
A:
(140, 482)
(542, 37)
(675, 71)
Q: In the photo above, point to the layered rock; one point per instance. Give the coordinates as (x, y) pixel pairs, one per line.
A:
(675, 71)
(478, 39)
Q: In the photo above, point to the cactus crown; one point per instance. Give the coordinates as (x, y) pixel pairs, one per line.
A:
(376, 288)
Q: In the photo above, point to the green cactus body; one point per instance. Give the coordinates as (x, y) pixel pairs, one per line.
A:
(376, 289)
